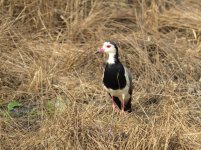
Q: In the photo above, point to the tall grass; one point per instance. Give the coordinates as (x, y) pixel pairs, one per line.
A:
(48, 64)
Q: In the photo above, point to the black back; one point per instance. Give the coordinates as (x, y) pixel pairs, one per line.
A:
(114, 76)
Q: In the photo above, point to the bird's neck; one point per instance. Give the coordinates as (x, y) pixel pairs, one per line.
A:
(113, 58)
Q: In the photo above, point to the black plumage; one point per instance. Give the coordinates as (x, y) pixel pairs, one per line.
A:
(114, 76)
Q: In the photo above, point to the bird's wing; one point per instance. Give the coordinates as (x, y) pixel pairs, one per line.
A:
(128, 73)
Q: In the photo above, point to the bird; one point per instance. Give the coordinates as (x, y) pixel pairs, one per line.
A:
(117, 79)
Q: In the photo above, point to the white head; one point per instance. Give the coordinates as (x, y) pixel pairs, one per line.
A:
(110, 48)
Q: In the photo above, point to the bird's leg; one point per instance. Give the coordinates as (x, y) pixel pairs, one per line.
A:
(122, 103)
(113, 105)
(122, 106)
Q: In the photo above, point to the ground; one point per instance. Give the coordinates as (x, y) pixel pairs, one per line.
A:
(51, 94)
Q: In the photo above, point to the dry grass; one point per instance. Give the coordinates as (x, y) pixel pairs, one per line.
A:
(47, 63)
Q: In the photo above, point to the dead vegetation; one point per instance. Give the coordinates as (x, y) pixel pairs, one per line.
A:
(47, 63)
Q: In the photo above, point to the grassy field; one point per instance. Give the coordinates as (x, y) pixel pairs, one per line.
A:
(51, 94)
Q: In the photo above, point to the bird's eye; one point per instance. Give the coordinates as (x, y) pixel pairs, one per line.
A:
(108, 46)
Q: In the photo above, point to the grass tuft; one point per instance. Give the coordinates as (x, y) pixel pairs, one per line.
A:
(48, 64)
